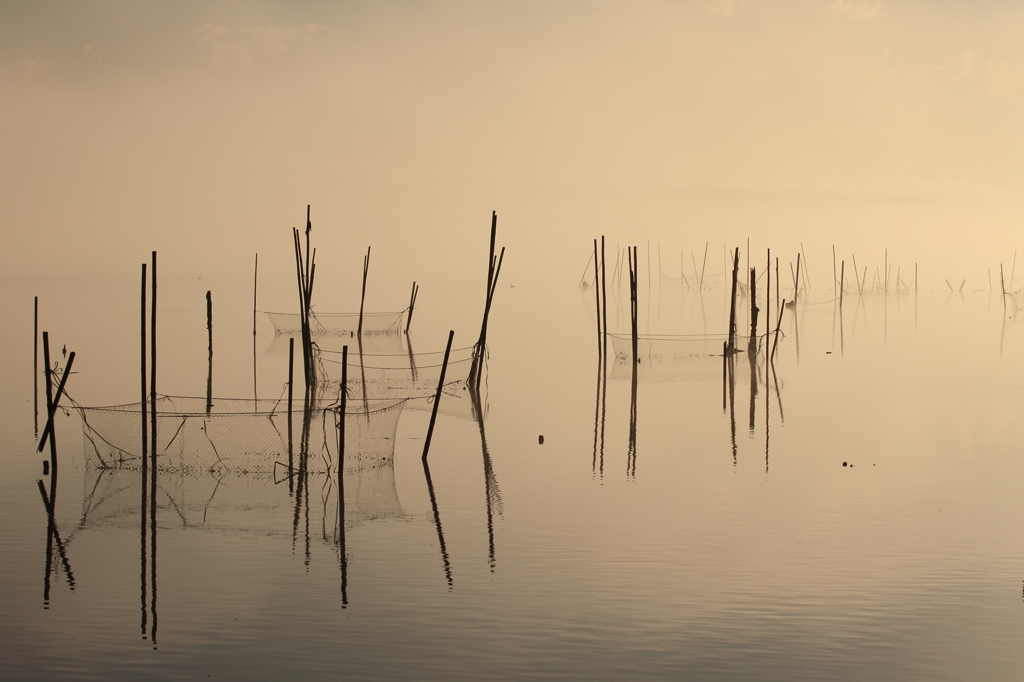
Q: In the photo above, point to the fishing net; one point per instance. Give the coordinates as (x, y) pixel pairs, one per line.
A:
(412, 377)
(695, 357)
(335, 324)
(240, 435)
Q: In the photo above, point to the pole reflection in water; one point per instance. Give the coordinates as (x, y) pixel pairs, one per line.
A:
(53, 538)
(301, 492)
(767, 421)
(343, 400)
(600, 404)
(491, 490)
(437, 524)
(631, 457)
(731, 380)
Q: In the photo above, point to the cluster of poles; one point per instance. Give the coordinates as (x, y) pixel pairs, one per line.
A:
(55, 381)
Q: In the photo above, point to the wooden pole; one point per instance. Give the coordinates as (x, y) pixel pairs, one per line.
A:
(633, 268)
(752, 344)
(48, 374)
(145, 386)
(604, 300)
(255, 281)
(341, 475)
(437, 396)
(35, 363)
(55, 403)
(732, 304)
(342, 399)
(291, 382)
(597, 297)
(152, 377)
(476, 373)
(362, 298)
(412, 306)
(209, 371)
(842, 281)
(478, 351)
(768, 296)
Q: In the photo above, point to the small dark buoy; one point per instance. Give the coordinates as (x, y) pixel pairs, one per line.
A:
(540, 439)
(844, 463)
(46, 467)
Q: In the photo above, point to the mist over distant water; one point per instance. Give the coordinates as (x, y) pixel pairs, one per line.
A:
(203, 130)
(848, 511)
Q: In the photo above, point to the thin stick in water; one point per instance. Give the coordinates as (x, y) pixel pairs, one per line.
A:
(255, 282)
(437, 396)
(362, 298)
(209, 334)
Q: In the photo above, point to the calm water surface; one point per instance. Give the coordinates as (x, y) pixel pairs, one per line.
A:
(729, 542)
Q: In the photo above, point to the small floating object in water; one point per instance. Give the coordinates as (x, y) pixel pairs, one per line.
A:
(828, 352)
(844, 463)
(540, 439)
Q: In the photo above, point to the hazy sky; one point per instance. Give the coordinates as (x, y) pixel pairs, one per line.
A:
(188, 126)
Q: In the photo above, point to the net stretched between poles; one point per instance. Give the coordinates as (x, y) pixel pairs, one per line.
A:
(242, 435)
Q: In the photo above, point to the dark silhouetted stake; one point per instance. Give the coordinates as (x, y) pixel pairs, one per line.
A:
(631, 455)
(752, 346)
(153, 450)
(633, 307)
(493, 269)
(343, 397)
(48, 430)
(437, 397)
(291, 383)
(145, 387)
(597, 298)
(209, 333)
(48, 377)
(732, 301)
(152, 374)
(255, 281)
(35, 363)
(305, 275)
(412, 306)
(362, 297)
(604, 301)
(768, 297)
(144, 502)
